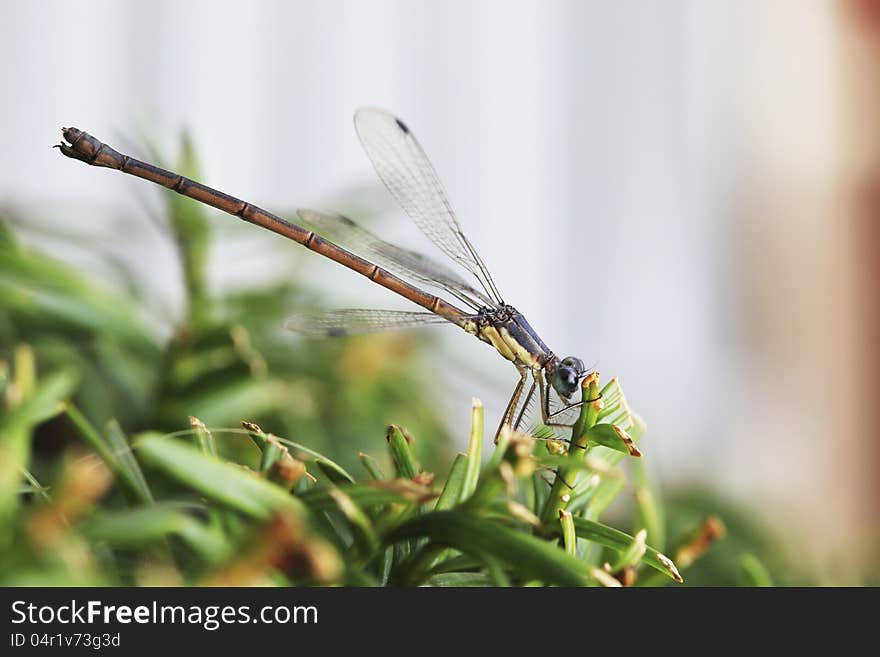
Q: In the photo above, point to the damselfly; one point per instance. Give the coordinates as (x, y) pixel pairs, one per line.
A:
(408, 174)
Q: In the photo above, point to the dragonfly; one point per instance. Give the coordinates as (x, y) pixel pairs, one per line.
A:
(477, 307)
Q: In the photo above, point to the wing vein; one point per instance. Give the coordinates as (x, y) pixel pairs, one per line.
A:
(406, 171)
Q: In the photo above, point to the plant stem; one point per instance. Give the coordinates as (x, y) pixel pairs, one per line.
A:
(564, 483)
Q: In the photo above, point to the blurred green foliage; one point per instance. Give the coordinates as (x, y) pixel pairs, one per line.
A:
(181, 508)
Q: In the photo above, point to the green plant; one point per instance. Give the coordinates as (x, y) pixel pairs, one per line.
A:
(243, 506)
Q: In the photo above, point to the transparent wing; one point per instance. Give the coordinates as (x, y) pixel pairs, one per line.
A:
(352, 321)
(528, 414)
(409, 176)
(346, 233)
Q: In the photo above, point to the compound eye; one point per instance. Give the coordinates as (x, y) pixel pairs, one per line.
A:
(565, 381)
(574, 363)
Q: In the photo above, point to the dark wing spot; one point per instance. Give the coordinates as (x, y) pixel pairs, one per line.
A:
(346, 220)
(402, 125)
(336, 332)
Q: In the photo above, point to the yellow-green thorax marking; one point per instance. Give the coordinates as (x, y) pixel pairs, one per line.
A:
(508, 331)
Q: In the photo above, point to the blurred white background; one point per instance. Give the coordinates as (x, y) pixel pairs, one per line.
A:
(646, 180)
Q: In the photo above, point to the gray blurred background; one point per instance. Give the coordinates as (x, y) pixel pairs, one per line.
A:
(664, 188)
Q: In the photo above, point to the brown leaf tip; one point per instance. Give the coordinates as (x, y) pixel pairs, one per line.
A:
(710, 531)
(668, 564)
(289, 469)
(407, 436)
(627, 440)
(424, 478)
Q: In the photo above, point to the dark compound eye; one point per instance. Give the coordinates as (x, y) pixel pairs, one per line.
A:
(565, 380)
(574, 363)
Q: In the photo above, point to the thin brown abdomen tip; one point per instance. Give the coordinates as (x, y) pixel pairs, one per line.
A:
(82, 146)
(71, 134)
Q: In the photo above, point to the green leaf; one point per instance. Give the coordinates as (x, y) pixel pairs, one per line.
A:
(35, 486)
(613, 437)
(371, 466)
(16, 427)
(24, 364)
(326, 464)
(621, 541)
(364, 495)
(119, 444)
(455, 562)
(41, 404)
(333, 470)
(452, 490)
(189, 367)
(569, 537)
(203, 436)
(104, 448)
(272, 451)
(475, 451)
(753, 571)
(401, 452)
(589, 464)
(460, 580)
(529, 556)
(500, 450)
(332, 473)
(633, 554)
(56, 295)
(223, 482)
(365, 538)
(225, 405)
(191, 229)
(603, 495)
(649, 508)
(595, 500)
(495, 570)
(142, 526)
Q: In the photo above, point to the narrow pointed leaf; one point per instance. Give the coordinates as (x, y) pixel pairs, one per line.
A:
(472, 534)
(452, 490)
(475, 450)
(218, 480)
(621, 541)
(126, 460)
